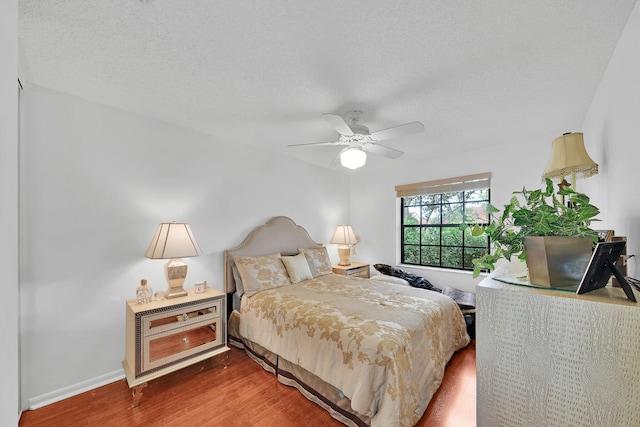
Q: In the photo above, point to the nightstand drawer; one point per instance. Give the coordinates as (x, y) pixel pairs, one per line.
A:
(359, 272)
(178, 343)
(180, 318)
(355, 269)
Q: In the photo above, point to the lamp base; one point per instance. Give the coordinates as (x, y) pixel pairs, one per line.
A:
(175, 271)
(344, 252)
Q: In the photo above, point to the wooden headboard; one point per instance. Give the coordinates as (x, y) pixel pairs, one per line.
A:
(278, 235)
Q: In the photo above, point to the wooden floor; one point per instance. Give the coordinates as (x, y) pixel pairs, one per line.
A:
(243, 394)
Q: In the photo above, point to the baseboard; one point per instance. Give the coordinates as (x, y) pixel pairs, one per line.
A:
(75, 389)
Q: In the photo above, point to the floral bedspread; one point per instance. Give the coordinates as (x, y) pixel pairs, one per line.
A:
(385, 346)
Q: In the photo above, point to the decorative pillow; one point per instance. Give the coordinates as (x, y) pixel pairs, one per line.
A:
(261, 273)
(413, 279)
(318, 259)
(297, 268)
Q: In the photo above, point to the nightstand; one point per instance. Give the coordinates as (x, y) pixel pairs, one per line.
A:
(164, 336)
(357, 269)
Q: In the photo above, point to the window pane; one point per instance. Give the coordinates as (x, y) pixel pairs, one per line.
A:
(411, 201)
(411, 215)
(411, 254)
(430, 235)
(411, 235)
(452, 213)
(478, 241)
(477, 212)
(431, 214)
(430, 255)
(452, 197)
(451, 236)
(477, 194)
(470, 254)
(452, 257)
(431, 199)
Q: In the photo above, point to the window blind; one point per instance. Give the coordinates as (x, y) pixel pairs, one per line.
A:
(448, 185)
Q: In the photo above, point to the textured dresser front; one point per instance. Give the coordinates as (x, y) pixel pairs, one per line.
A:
(551, 358)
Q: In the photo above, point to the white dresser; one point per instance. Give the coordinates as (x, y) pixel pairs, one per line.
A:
(553, 358)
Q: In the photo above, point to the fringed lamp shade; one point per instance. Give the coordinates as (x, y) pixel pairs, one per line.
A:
(569, 157)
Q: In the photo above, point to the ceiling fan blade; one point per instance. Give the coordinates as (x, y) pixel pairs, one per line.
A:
(317, 144)
(374, 148)
(394, 132)
(338, 123)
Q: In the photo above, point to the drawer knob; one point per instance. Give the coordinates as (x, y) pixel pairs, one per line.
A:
(185, 340)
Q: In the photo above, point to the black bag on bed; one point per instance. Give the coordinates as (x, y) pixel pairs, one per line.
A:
(413, 279)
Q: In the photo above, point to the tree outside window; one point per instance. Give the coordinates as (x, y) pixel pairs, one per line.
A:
(431, 233)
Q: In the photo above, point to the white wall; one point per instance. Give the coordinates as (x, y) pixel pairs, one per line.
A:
(9, 384)
(96, 181)
(613, 121)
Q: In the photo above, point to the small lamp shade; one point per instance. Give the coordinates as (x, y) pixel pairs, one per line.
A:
(569, 157)
(344, 235)
(353, 158)
(173, 241)
(345, 238)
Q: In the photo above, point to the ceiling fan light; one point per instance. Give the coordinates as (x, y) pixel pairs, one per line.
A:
(353, 158)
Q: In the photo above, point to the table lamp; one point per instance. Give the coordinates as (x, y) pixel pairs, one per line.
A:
(173, 241)
(346, 238)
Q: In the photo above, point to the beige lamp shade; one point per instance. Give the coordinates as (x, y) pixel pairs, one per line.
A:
(344, 235)
(569, 157)
(173, 240)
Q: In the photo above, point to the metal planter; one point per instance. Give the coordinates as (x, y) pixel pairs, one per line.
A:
(557, 262)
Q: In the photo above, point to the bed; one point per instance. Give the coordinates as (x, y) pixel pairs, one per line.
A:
(371, 352)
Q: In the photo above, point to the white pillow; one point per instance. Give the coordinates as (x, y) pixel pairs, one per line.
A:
(261, 273)
(297, 268)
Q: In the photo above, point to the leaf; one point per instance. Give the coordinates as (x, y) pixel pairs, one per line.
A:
(477, 230)
(549, 187)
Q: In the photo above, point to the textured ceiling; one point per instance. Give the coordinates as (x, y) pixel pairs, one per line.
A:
(260, 73)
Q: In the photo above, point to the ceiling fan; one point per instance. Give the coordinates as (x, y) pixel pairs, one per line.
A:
(358, 141)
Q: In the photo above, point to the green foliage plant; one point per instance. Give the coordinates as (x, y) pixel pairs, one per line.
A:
(533, 213)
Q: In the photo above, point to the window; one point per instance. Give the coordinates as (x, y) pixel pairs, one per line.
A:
(430, 217)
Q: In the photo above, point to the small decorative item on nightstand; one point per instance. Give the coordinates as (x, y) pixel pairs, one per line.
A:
(200, 286)
(144, 293)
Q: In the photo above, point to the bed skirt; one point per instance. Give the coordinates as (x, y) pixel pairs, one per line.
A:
(313, 388)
